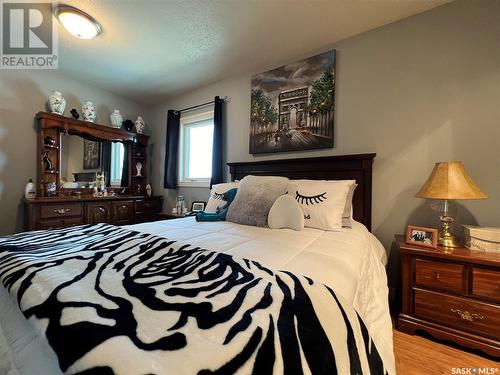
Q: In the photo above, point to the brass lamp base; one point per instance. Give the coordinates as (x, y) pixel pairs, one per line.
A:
(446, 238)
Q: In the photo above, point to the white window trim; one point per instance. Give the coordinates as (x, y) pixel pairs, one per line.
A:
(185, 121)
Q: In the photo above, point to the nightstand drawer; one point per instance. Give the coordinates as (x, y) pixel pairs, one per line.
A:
(440, 275)
(459, 313)
(486, 283)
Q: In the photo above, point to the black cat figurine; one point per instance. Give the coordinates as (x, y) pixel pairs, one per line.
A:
(48, 163)
(75, 114)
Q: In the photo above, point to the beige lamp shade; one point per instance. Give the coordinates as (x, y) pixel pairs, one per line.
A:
(450, 180)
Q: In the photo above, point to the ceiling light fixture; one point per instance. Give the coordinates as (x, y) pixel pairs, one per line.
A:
(77, 22)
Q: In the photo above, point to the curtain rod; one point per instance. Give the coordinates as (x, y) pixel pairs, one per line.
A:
(226, 99)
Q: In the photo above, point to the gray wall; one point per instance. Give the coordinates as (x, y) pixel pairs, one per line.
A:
(418, 91)
(22, 94)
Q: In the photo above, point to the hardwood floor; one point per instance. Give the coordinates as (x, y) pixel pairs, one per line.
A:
(416, 355)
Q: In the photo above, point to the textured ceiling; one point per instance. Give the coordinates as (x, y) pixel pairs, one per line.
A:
(152, 49)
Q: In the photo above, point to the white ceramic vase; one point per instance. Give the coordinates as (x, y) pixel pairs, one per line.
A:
(116, 119)
(57, 103)
(139, 124)
(88, 111)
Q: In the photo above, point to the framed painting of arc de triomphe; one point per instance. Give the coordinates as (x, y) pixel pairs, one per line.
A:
(292, 107)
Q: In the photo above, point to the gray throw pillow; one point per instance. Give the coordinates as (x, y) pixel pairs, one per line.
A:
(255, 197)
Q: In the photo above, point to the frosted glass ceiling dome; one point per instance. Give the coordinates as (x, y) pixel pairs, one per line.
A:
(77, 22)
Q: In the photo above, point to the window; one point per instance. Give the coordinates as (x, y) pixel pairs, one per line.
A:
(117, 152)
(195, 150)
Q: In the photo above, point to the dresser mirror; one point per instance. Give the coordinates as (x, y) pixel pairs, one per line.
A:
(83, 159)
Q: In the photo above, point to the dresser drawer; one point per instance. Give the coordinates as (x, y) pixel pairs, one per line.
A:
(123, 212)
(60, 223)
(440, 275)
(98, 212)
(48, 211)
(153, 205)
(459, 313)
(486, 283)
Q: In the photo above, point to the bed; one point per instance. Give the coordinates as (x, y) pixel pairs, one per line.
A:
(354, 272)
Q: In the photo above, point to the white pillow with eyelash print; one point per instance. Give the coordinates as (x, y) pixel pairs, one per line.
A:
(216, 200)
(323, 202)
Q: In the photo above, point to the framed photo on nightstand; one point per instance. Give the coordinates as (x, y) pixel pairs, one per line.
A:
(422, 236)
(197, 206)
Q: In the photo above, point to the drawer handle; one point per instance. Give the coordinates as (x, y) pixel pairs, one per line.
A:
(466, 315)
(62, 211)
(436, 275)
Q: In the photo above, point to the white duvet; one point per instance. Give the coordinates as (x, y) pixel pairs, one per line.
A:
(350, 261)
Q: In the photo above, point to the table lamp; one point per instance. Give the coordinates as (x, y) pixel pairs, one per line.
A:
(449, 180)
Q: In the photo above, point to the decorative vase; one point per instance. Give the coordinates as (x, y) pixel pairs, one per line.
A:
(138, 166)
(116, 119)
(139, 124)
(57, 103)
(100, 182)
(88, 111)
(149, 190)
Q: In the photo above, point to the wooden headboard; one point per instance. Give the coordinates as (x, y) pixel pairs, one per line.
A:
(343, 167)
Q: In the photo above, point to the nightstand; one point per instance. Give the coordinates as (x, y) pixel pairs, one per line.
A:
(453, 294)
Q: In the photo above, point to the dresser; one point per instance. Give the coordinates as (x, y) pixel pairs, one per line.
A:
(70, 155)
(46, 213)
(452, 294)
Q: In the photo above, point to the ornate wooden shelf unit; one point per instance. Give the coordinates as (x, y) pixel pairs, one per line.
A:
(59, 207)
(53, 125)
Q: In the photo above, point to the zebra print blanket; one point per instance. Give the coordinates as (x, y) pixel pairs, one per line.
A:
(114, 301)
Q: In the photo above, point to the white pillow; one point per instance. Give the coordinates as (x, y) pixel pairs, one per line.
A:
(323, 202)
(286, 213)
(216, 200)
(347, 215)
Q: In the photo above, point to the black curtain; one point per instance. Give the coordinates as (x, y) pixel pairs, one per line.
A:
(172, 149)
(125, 168)
(106, 162)
(217, 163)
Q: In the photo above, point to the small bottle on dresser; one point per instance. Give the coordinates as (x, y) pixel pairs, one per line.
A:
(29, 190)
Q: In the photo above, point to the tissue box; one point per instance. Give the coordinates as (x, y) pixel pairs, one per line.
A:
(486, 239)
